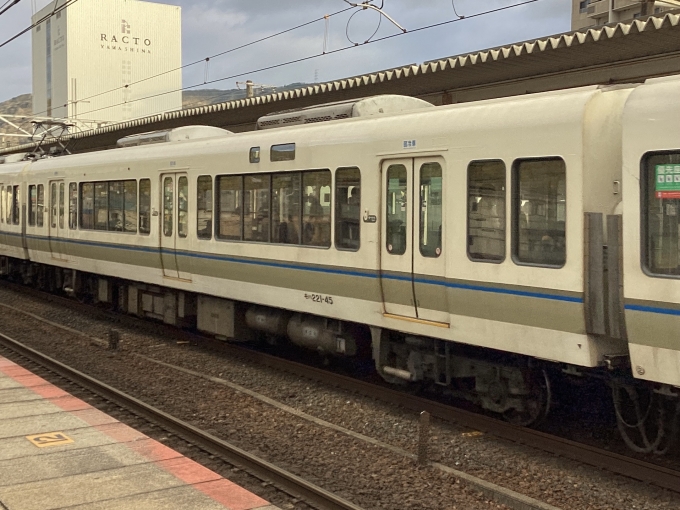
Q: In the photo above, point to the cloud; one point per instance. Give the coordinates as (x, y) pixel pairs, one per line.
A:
(212, 26)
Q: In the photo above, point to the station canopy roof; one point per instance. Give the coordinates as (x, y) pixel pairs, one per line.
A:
(616, 53)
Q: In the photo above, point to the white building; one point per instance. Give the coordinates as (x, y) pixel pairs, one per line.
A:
(94, 46)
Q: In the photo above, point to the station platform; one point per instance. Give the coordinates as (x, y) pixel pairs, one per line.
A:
(57, 451)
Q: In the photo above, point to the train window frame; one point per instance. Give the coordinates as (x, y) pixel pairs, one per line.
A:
(40, 206)
(144, 208)
(282, 152)
(423, 233)
(338, 219)
(73, 206)
(32, 204)
(208, 210)
(516, 204)
(217, 206)
(16, 204)
(644, 215)
(505, 212)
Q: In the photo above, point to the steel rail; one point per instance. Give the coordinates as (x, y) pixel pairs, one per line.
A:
(612, 462)
(308, 492)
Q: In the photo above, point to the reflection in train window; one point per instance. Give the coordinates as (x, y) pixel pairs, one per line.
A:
(32, 204)
(229, 207)
(397, 190)
(116, 202)
(40, 218)
(144, 206)
(431, 210)
(486, 211)
(87, 205)
(348, 208)
(286, 208)
(204, 201)
(168, 203)
(16, 214)
(183, 206)
(73, 205)
(3, 198)
(256, 208)
(540, 200)
(16, 208)
(62, 201)
(661, 213)
(101, 205)
(316, 208)
(283, 152)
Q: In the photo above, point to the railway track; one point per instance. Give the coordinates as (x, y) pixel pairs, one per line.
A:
(290, 483)
(612, 462)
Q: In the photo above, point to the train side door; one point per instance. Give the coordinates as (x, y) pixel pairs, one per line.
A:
(413, 265)
(396, 261)
(429, 262)
(174, 225)
(57, 227)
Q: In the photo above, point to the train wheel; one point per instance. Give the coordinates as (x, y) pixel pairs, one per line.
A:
(647, 422)
(536, 404)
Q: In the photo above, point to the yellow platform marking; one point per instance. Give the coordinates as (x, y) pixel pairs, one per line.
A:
(50, 439)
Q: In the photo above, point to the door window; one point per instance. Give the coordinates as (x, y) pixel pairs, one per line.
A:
(55, 207)
(62, 199)
(183, 206)
(397, 189)
(431, 210)
(168, 199)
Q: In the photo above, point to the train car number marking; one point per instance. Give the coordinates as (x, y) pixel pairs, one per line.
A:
(50, 439)
(318, 298)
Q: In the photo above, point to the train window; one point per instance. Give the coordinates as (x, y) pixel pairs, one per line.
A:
(40, 217)
(72, 205)
(101, 205)
(183, 206)
(256, 192)
(168, 202)
(229, 207)
(254, 154)
(486, 211)
(3, 197)
(316, 211)
(539, 212)
(116, 203)
(660, 213)
(204, 201)
(283, 152)
(8, 208)
(54, 206)
(32, 202)
(87, 205)
(286, 208)
(397, 190)
(62, 199)
(144, 206)
(348, 208)
(15, 205)
(130, 201)
(431, 210)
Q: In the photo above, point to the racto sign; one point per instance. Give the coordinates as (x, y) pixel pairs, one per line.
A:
(125, 41)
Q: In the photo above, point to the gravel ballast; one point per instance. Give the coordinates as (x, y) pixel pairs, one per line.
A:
(366, 474)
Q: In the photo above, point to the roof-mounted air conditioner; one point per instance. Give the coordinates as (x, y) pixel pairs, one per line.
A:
(173, 135)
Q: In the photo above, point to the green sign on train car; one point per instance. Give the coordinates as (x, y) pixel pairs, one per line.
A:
(667, 181)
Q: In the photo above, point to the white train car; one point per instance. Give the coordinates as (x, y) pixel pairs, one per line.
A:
(463, 243)
(651, 219)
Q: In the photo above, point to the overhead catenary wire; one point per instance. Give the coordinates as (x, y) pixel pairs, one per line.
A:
(7, 6)
(55, 11)
(206, 60)
(317, 55)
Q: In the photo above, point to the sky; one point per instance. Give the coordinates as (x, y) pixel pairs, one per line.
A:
(212, 26)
